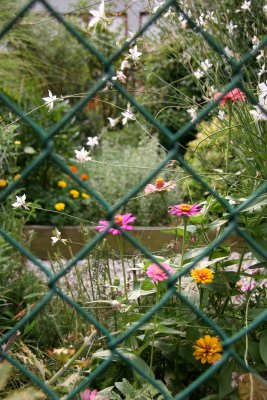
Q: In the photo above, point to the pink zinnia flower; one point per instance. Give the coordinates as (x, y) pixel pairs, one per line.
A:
(234, 95)
(160, 186)
(88, 395)
(185, 209)
(157, 274)
(122, 220)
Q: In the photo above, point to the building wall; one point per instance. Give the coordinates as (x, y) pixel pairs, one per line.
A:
(134, 10)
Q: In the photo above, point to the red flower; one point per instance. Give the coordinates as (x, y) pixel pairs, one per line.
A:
(74, 169)
(234, 95)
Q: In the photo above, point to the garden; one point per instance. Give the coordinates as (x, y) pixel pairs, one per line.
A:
(133, 201)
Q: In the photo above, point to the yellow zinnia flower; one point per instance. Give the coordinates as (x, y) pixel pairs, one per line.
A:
(60, 206)
(202, 275)
(3, 183)
(85, 195)
(16, 177)
(17, 142)
(208, 349)
(62, 184)
(74, 193)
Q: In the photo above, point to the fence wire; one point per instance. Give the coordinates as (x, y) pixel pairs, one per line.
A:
(174, 139)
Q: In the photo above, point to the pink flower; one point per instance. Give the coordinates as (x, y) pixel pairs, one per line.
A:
(234, 95)
(185, 209)
(122, 220)
(88, 395)
(155, 272)
(160, 186)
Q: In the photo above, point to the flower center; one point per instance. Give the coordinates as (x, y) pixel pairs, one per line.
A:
(184, 207)
(118, 219)
(159, 183)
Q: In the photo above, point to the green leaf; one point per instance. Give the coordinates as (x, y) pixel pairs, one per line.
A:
(5, 370)
(263, 347)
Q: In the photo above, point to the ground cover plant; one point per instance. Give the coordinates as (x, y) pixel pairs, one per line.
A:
(189, 320)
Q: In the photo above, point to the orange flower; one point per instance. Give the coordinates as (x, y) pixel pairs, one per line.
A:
(74, 169)
(202, 275)
(3, 183)
(62, 184)
(74, 193)
(208, 349)
(84, 177)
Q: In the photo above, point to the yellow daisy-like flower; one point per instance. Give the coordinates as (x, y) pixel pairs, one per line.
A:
(17, 142)
(16, 177)
(208, 349)
(62, 184)
(202, 275)
(74, 193)
(3, 183)
(60, 206)
(85, 195)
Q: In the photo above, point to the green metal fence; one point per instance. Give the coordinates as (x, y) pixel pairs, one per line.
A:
(46, 138)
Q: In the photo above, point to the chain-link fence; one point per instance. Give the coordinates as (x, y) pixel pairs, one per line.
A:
(46, 138)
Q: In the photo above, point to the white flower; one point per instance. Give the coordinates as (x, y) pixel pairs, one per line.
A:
(228, 52)
(134, 54)
(231, 27)
(261, 71)
(131, 35)
(98, 16)
(221, 115)
(113, 122)
(127, 115)
(157, 6)
(264, 8)
(261, 55)
(49, 101)
(257, 113)
(124, 65)
(82, 155)
(255, 41)
(183, 21)
(246, 5)
(201, 21)
(263, 89)
(192, 112)
(21, 202)
(92, 141)
(120, 76)
(206, 65)
(57, 238)
(198, 73)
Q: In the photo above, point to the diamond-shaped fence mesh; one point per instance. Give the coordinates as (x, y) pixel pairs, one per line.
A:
(46, 138)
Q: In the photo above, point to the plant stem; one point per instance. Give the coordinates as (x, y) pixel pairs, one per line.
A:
(154, 329)
(123, 266)
(183, 250)
(228, 138)
(87, 342)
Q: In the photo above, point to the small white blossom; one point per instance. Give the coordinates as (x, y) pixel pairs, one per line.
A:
(113, 121)
(231, 27)
(57, 237)
(183, 21)
(261, 55)
(261, 71)
(198, 73)
(263, 89)
(264, 8)
(127, 115)
(134, 54)
(246, 5)
(221, 115)
(120, 76)
(192, 112)
(255, 41)
(92, 141)
(21, 202)
(157, 6)
(201, 20)
(206, 65)
(124, 65)
(257, 113)
(82, 155)
(98, 16)
(228, 52)
(49, 101)
(131, 35)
